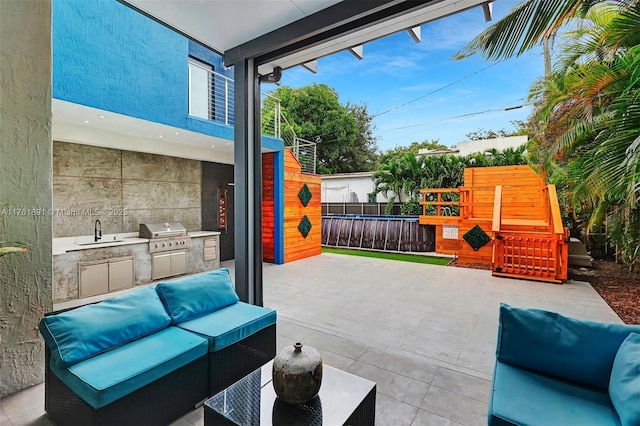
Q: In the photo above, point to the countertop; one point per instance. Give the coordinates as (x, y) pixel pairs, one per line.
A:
(199, 234)
(86, 242)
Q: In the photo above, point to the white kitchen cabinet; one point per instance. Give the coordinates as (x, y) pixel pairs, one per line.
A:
(178, 262)
(161, 265)
(102, 276)
(120, 273)
(168, 264)
(93, 278)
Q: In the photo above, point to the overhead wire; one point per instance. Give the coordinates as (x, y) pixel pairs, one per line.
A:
(435, 91)
(419, 97)
(449, 120)
(471, 114)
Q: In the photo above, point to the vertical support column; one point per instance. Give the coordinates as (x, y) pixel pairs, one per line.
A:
(278, 201)
(248, 183)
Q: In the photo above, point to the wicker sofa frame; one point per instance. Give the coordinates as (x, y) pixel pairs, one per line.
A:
(160, 402)
(232, 363)
(168, 398)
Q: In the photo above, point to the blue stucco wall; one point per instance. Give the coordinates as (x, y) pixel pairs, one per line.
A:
(108, 56)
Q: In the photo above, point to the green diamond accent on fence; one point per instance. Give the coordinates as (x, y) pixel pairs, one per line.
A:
(305, 195)
(305, 226)
(476, 237)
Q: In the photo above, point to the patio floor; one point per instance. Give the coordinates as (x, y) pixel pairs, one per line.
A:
(425, 334)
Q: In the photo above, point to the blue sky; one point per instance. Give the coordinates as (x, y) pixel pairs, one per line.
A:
(396, 70)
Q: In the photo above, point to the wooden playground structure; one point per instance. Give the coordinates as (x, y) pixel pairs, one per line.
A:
(505, 217)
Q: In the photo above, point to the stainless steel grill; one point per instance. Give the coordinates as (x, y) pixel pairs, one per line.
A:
(168, 246)
(162, 230)
(168, 236)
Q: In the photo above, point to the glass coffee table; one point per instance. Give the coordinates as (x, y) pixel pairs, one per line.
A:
(344, 399)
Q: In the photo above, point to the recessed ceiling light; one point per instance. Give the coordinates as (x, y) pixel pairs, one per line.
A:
(213, 146)
(86, 122)
(228, 143)
(101, 116)
(160, 136)
(177, 133)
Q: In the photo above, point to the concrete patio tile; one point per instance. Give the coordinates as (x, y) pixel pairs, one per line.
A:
(335, 360)
(337, 321)
(292, 330)
(379, 337)
(477, 359)
(26, 407)
(464, 384)
(481, 374)
(336, 344)
(182, 421)
(405, 363)
(284, 341)
(196, 417)
(425, 418)
(454, 406)
(391, 384)
(439, 345)
(4, 420)
(391, 412)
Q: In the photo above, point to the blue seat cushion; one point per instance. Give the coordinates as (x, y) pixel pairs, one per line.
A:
(524, 397)
(624, 385)
(197, 295)
(547, 342)
(83, 332)
(230, 324)
(109, 376)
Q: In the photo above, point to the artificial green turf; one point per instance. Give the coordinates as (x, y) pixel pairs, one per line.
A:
(432, 260)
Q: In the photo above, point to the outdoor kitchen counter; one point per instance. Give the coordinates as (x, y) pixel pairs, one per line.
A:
(85, 242)
(70, 252)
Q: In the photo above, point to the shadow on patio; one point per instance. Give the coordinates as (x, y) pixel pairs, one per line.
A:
(425, 334)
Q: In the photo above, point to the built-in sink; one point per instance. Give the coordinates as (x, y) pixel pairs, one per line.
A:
(91, 243)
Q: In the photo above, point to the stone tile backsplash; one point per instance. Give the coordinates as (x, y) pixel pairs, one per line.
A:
(122, 189)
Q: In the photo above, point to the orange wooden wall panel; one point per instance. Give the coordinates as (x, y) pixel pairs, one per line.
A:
(295, 245)
(446, 246)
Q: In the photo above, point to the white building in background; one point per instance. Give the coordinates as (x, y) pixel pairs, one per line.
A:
(350, 188)
(469, 147)
(358, 187)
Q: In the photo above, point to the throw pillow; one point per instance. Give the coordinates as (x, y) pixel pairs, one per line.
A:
(197, 295)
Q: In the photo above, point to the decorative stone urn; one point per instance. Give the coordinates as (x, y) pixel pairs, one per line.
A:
(297, 374)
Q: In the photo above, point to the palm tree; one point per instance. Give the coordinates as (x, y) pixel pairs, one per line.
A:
(388, 179)
(528, 24)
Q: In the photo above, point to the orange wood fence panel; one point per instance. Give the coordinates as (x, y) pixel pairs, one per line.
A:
(296, 246)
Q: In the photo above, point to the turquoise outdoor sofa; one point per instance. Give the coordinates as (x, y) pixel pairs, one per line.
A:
(150, 356)
(554, 370)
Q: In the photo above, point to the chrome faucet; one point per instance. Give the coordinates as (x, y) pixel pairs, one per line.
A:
(97, 231)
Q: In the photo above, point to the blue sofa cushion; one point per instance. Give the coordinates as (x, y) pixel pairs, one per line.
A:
(197, 295)
(231, 324)
(624, 385)
(81, 333)
(107, 377)
(524, 397)
(547, 342)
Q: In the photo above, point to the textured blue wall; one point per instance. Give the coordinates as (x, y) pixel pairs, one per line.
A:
(108, 56)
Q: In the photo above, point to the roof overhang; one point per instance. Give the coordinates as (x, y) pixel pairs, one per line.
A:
(286, 33)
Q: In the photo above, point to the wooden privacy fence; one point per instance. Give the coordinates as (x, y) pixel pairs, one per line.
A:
(387, 233)
(377, 209)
